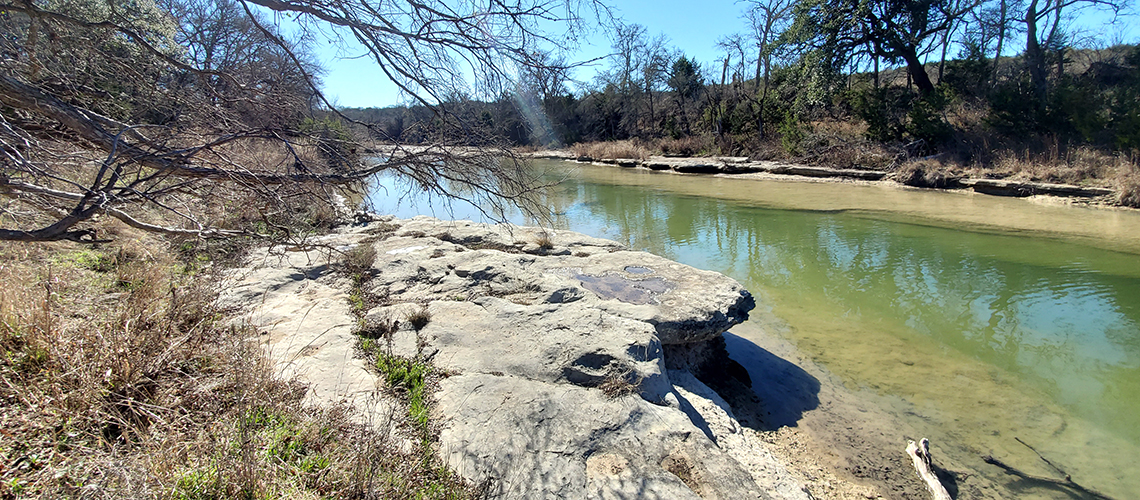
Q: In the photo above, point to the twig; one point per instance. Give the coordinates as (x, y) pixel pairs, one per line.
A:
(1046, 460)
(1066, 483)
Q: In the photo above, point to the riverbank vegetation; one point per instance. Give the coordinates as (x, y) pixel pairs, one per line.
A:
(120, 377)
(143, 147)
(929, 90)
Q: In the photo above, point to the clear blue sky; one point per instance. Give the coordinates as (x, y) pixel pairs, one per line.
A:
(692, 27)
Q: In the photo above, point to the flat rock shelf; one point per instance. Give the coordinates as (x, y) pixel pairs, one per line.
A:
(532, 329)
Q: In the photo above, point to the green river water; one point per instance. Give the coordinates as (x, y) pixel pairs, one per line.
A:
(984, 318)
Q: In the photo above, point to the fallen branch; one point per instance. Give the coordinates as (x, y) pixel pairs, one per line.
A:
(920, 454)
(1062, 483)
(1046, 460)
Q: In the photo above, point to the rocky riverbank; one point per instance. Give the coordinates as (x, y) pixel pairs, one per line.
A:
(744, 167)
(568, 366)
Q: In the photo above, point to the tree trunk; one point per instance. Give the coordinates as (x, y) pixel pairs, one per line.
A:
(876, 59)
(30, 47)
(762, 94)
(1000, 40)
(917, 72)
(759, 64)
(942, 61)
(1035, 56)
(649, 98)
(920, 455)
(1060, 63)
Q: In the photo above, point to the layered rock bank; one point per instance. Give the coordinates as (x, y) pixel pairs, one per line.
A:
(568, 361)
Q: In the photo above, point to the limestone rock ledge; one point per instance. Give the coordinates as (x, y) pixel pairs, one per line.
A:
(554, 348)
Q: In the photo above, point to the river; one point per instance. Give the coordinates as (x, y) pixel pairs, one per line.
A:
(973, 319)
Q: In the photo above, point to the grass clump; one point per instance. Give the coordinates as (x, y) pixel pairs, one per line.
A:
(544, 240)
(408, 377)
(358, 260)
(419, 318)
(924, 174)
(620, 383)
(1128, 189)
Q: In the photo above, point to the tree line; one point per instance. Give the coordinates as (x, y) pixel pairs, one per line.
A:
(166, 113)
(927, 76)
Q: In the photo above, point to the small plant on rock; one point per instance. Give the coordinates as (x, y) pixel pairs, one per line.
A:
(544, 240)
(619, 383)
(358, 261)
(419, 318)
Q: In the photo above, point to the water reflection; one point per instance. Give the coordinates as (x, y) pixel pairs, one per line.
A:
(990, 332)
(1065, 320)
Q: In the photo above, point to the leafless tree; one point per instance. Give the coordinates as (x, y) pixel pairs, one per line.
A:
(768, 19)
(658, 58)
(140, 111)
(1044, 22)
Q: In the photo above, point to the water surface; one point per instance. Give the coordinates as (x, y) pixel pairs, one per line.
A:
(986, 318)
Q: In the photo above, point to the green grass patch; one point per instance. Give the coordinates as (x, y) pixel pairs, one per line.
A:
(408, 375)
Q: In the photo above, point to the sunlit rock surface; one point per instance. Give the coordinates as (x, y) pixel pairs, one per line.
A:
(553, 345)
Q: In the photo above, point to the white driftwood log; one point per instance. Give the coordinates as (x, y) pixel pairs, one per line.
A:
(920, 453)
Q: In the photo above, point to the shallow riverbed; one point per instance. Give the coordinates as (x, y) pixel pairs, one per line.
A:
(972, 319)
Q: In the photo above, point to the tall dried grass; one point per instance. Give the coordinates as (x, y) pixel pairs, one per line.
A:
(1080, 165)
(120, 378)
(685, 146)
(613, 150)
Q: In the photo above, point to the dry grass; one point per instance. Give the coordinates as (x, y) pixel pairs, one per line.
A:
(619, 383)
(120, 379)
(924, 173)
(419, 318)
(1081, 165)
(544, 240)
(358, 259)
(685, 146)
(611, 150)
(1128, 189)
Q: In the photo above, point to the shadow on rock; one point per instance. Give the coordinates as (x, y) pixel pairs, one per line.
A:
(785, 390)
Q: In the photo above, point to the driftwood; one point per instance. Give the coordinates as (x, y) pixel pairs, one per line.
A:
(1067, 483)
(920, 453)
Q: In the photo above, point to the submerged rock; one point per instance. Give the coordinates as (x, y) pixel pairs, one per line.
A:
(553, 344)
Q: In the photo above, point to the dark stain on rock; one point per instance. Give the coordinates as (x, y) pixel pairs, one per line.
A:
(612, 286)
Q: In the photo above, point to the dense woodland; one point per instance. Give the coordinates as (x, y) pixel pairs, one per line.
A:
(849, 83)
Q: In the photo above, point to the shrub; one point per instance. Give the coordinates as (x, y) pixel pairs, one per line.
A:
(882, 109)
(925, 122)
(791, 134)
(333, 141)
